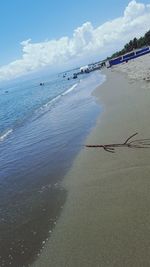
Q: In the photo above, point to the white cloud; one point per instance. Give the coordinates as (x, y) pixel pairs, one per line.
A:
(86, 43)
(134, 9)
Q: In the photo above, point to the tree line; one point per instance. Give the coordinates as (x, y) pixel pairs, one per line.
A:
(133, 44)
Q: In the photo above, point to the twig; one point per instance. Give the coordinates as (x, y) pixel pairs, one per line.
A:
(130, 138)
(140, 143)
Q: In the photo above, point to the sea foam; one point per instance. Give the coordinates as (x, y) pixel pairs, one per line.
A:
(70, 89)
(5, 135)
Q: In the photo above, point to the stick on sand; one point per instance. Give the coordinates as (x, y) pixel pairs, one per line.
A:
(140, 143)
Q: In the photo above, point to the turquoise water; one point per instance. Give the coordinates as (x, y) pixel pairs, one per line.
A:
(20, 101)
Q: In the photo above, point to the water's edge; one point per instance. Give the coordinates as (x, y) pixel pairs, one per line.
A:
(44, 203)
(33, 263)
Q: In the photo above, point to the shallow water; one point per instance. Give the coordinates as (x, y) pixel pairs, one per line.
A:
(34, 159)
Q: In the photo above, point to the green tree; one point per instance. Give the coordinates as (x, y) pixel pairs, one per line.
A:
(141, 42)
(135, 43)
(147, 38)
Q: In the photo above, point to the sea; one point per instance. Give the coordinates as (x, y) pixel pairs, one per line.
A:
(42, 128)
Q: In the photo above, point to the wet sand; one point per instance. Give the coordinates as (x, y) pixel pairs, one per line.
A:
(106, 218)
(33, 161)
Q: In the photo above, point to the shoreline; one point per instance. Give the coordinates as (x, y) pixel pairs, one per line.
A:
(105, 221)
(35, 160)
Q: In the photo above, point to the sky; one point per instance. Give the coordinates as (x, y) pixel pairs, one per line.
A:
(57, 35)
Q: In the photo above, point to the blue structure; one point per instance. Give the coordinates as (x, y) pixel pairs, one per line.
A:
(129, 56)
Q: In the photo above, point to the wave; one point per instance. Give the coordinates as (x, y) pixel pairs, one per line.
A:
(40, 111)
(4, 135)
(47, 106)
(70, 89)
(58, 96)
(51, 101)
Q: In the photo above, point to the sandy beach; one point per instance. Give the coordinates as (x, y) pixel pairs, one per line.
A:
(106, 218)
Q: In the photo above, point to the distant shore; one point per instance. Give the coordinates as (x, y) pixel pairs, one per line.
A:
(106, 218)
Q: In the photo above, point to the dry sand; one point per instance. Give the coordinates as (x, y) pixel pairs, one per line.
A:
(106, 218)
(137, 69)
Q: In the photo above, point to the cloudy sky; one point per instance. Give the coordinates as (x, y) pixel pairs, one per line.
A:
(59, 36)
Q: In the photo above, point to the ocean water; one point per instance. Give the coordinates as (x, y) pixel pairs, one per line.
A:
(42, 128)
(20, 101)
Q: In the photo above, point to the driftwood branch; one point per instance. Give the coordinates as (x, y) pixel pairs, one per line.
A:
(140, 143)
(130, 138)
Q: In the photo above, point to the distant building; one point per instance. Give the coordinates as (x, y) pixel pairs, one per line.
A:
(128, 56)
(84, 69)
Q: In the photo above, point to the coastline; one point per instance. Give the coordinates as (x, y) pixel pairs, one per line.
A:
(105, 220)
(35, 158)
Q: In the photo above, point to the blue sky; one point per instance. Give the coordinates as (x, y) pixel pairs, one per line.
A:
(48, 19)
(45, 20)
